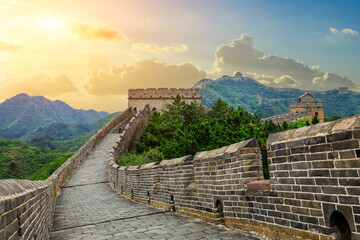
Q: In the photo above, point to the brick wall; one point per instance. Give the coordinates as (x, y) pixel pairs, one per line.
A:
(193, 186)
(314, 174)
(26, 207)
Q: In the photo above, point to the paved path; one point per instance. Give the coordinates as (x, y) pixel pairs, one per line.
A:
(88, 208)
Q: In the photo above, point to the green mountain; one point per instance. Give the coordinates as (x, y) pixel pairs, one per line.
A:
(267, 101)
(23, 114)
(19, 160)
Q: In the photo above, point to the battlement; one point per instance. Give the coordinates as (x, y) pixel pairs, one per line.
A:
(315, 104)
(158, 98)
(164, 93)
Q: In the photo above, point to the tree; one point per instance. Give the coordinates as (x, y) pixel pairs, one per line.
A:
(285, 125)
(315, 119)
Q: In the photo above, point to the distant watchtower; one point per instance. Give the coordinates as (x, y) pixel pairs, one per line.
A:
(157, 98)
(307, 103)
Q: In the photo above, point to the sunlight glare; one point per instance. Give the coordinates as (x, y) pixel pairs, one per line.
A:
(52, 22)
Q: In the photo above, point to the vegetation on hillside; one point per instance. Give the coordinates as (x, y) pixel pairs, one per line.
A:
(187, 128)
(266, 102)
(19, 160)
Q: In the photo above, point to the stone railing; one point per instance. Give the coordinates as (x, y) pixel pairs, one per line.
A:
(26, 207)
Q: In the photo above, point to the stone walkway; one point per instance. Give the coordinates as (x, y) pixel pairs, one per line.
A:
(87, 208)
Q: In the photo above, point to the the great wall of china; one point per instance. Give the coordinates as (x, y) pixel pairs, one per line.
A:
(313, 191)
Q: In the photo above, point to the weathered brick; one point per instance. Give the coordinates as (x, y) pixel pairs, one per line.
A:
(348, 200)
(350, 144)
(311, 204)
(282, 222)
(296, 158)
(339, 136)
(334, 190)
(299, 210)
(320, 148)
(348, 163)
(283, 187)
(305, 181)
(276, 160)
(268, 206)
(326, 198)
(307, 219)
(278, 174)
(285, 166)
(353, 191)
(306, 196)
(274, 214)
(316, 212)
(285, 208)
(286, 181)
(299, 225)
(349, 182)
(315, 140)
(293, 202)
(291, 216)
(296, 150)
(311, 189)
(347, 154)
(316, 156)
(298, 174)
(302, 165)
(296, 143)
(282, 152)
(323, 164)
(344, 173)
(286, 194)
(278, 146)
(319, 173)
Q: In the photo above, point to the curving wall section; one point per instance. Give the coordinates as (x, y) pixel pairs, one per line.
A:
(26, 207)
(313, 192)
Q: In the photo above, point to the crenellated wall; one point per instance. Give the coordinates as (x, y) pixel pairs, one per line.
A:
(158, 98)
(288, 117)
(313, 192)
(26, 207)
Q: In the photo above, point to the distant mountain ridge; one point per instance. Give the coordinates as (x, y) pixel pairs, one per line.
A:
(23, 114)
(268, 101)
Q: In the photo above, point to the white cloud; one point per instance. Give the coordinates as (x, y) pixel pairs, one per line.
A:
(350, 31)
(241, 55)
(333, 30)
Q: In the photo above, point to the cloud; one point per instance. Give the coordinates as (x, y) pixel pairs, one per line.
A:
(345, 30)
(350, 31)
(333, 30)
(145, 73)
(95, 31)
(272, 70)
(9, 45)
(37, 85)
(156, 48)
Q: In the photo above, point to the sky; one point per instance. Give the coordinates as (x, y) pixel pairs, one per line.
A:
(88, 53)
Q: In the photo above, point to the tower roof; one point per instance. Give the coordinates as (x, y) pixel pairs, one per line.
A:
(305, 94)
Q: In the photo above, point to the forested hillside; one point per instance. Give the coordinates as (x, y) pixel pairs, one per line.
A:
(266, 101)
(19, 160)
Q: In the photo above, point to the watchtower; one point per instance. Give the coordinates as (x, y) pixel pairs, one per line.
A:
(307, 103)
(157, 98)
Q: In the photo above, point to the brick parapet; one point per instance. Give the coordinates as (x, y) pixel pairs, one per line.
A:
(26, 207)
(314, 172)
(164, 93)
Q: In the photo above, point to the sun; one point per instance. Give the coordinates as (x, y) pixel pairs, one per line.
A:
(52, 22)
